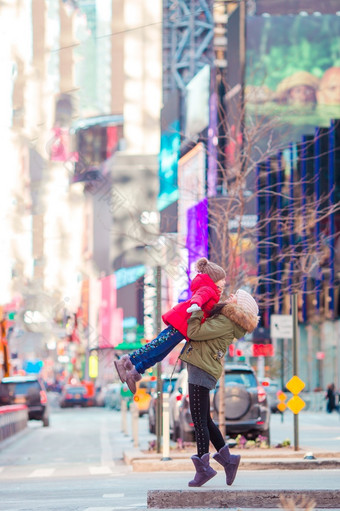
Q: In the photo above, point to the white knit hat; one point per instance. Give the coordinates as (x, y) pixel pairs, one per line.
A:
(246, 302)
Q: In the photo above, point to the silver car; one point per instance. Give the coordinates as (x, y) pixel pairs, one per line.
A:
(246, 406)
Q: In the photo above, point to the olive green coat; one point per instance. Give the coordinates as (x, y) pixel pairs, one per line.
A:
(216, 333)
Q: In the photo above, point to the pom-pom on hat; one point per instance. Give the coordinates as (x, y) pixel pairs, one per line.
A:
(246, 302)
(214, 271)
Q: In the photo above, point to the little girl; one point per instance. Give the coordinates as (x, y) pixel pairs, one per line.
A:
(206, 289)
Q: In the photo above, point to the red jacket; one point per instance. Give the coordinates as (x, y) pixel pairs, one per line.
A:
(205, 293)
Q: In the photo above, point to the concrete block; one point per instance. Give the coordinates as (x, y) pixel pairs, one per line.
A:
(262, 499)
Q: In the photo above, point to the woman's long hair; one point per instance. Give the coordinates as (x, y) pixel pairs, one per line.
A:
(216, 310)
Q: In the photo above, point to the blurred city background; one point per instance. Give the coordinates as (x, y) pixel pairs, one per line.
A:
(138, 136)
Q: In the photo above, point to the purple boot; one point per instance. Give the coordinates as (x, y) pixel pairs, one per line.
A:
(131, 379)
(123, 365)
(229, 462)
(204, 472)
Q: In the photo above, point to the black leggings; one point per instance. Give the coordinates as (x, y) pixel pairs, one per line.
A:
(205, 429)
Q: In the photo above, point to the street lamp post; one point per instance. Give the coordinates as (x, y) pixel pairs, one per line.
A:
(159, 364)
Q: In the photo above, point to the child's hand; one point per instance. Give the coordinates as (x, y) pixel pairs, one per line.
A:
(194, 307)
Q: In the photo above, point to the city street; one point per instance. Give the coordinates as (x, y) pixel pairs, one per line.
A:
(76, 464)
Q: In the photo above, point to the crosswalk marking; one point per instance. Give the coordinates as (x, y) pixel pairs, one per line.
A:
(113, 495)
(99, 470)
(66, 470)
(114, 508)
(42, 472)
(101, 508)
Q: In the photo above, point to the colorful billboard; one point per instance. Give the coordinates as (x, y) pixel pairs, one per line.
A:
(169, 152)
(292, 73)
(191, 184)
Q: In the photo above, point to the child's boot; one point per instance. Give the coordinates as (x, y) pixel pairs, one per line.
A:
(229, 462)
(131, 378)
(204, 472)
(123, 365)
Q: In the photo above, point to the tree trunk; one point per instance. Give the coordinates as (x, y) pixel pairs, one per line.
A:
(221, 402)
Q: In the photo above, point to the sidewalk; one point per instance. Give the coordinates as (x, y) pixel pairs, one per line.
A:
(251, 459)
(326, 451)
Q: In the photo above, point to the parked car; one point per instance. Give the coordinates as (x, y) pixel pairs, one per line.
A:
(246, 406)
(181, 425)
(31, 391)
(99, 395)
(74, 395)
(112, 396)
(142, 396)
(272, 389)
(168, 385)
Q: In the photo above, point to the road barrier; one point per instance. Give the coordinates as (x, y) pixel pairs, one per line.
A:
(13, 418)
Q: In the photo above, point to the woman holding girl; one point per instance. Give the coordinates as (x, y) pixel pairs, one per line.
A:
(203, 354)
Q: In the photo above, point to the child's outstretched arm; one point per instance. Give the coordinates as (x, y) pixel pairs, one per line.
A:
(201, 296)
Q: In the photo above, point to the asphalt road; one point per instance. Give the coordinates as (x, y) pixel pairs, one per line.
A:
(76, 465)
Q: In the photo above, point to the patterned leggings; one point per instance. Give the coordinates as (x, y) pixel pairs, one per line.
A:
(154, 351)
(205, 429)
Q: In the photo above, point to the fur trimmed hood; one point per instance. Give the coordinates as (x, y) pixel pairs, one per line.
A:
(238, 315)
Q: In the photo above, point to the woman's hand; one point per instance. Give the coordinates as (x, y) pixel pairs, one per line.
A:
(231, 299)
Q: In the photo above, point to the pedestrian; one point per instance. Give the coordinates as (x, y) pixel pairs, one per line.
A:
(206, 289)
(228, 320)
(330, 396)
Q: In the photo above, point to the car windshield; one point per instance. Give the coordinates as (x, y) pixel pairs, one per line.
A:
(168, 385)
(240, 377)
(22, 388)
(76, 390)
(273, 387)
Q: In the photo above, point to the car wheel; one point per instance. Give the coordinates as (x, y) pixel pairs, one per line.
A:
(46, 422)
(186, 436)
(266, 433)
(152, 427)
(237, 402)
(176, 433)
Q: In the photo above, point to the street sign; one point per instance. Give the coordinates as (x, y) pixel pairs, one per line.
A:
(281, 326)
(281, 405)
(295, 404)
(295, 385)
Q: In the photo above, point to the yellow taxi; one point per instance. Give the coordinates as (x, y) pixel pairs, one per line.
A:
(142, 396)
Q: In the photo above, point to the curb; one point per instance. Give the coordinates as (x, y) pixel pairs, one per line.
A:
(261, 499)
(183, 465)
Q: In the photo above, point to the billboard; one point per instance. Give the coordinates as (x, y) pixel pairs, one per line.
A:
(293, 73)
(191, 184)
(197, 103)
(197, 237)
(169, 152)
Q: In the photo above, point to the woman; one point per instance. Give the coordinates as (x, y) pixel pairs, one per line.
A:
(228, 320)
(330, 396)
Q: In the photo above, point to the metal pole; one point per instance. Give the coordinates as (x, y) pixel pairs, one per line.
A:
(166, 428)
(159, 365)
(242, 46)
(295, 363)
(134, 422)
(123, 416)
(282, 372)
